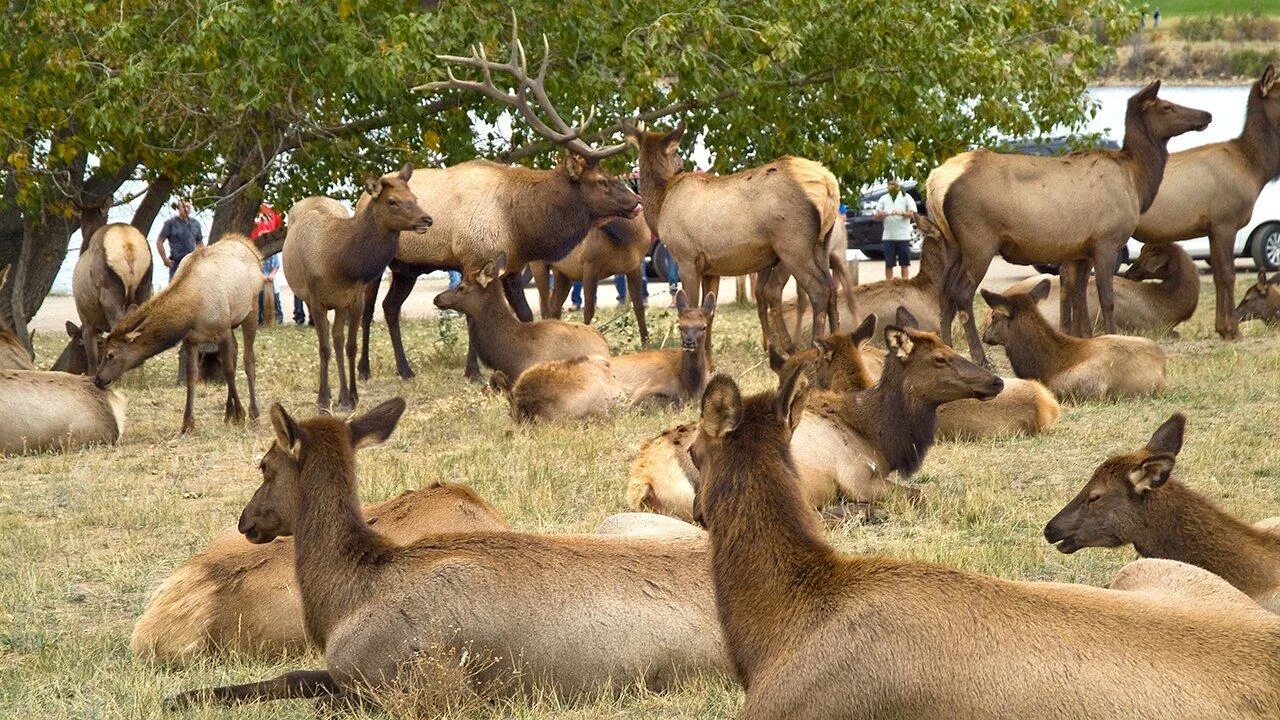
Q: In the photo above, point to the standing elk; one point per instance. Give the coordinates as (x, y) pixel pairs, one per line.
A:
(1079, 209)
(330, 257)
(1211, 190)
(112, 277)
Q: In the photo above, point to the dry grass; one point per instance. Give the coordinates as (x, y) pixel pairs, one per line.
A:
(85, 536)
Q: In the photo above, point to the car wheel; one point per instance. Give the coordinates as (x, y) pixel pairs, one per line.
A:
(1046, 268)
(873, 254)
(1266, 246)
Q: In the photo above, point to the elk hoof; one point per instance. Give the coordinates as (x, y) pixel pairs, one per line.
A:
(346, 406)
(406, 373)
(1230, 334)
(188, 426)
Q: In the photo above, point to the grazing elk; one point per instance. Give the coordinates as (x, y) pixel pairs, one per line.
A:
(1107, 366)
(240, 596)
(214, 292)
(911, 639)
(1236, 171)
(616, 248)
(330, 257)
(485, 208)
(507, 612)
(782, 212)
(112, 276)
(1262, 300)
(1141, 307)
(1131, 499)
(562, 390)
(56, 411)
(1078, 210)
(504, 343)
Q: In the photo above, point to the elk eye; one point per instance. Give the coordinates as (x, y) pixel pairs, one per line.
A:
(393, 203)
(940, 361)
(1093, 498)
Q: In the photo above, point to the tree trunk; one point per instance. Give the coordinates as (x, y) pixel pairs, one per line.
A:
(42, 242)
(158, 191)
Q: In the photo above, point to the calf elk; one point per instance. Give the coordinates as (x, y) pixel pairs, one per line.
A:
(1131, 499)
(1262, 300)
(55, 410)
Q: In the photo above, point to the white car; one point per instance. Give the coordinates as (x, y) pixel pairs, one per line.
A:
(1258, 241)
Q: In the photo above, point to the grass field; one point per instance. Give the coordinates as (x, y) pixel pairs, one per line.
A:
(85, 536)
(1177, 8)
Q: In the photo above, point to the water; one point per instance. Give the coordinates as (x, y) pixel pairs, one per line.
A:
(1226, 103)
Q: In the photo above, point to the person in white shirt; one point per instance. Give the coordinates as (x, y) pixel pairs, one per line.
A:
(896, 208)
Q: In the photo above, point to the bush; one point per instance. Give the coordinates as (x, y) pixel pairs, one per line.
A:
(1201, 28)
(1253, 26)
(1250, 63)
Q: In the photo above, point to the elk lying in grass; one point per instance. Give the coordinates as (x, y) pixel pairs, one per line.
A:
(562, 390)
(616, 248)
(1108, 366)
(1141, 307)
(13, 354)
(55, 410)
(239, 596)
(504, 343)
(214, 292)
(112, 277)
(1262, 300)
(72, 359)
(499, 612)
(1079, 209)
(329, 257)
(1131, 499)
(910, 639)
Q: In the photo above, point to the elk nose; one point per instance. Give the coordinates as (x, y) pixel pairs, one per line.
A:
(998, 384)
(424, 222)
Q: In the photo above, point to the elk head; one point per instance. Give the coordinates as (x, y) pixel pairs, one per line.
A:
(693, 321)
(393, 204)
(826, 354)
(1006, 308)
(932, 371)
(1162, 118)
(1266, 94)
(476, 289)
(602, 194)
(140, 335)
(1114, 505)
(1153, 263)
(1262, 300)
(657, 150)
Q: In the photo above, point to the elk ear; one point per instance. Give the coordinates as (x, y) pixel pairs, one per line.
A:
(406, 172)
(709, 304)
(1148, 93)
(1268, 80)
(575, 165)
(865, 330)
(792, 395)
(721, 407)
(1167, 439)
(777, 358)
(1040, 292)
(994, 299)
(486, 275)
(373, 186)
(905, 319)
(682, 302)
(898, 341)
(1151, 473)
(374, 427)
(671, 140)
(73, 330)
(500, 264)
(630, 131)
(288, 434)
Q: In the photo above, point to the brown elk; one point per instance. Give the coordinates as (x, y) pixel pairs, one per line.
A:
(503, 612)
(214, 292)
(780, 213)
(562, 390)
(54, 410)
(1261, 301)
(504, 343)
(330, 257)
(240, 596)
(1131, 499)
(485, 208)
(1141, 307)
(845, 284)
(1107, 366)
(112, 276)
(910, 639)
(1236, 170)
(1079, 210)
(13, 354)
(616, 248)
(72, 359)
(672, 374)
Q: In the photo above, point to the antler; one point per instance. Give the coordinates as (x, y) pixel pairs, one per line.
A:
(517, 66)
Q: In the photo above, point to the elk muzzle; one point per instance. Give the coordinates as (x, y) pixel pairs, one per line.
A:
(1057, 534)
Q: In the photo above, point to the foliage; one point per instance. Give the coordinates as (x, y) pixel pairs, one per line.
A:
(1240, 27)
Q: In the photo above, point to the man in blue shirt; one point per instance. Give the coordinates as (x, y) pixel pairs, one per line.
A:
(184, 235)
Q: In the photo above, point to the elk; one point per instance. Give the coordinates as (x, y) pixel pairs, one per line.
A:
(1140, 307)
(562, 390)
(1236, 170)
(72, 359)
(780, 213)
(675, 375)
(500, 612)
(56, 411)
(1261, 301)
(112, 276)
(13, 354)
(794, 609)
(1107, 366)
(1132, 499)
(486, 208)
(616, 248)
(238, 596)
(845, 284)
(331, 256)
(504, 343)
(1079, 210)
(214, 292)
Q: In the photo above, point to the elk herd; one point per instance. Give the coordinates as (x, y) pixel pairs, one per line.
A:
(434, 587)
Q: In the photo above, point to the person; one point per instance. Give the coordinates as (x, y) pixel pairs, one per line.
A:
(271, 268)
(896, 208)
(184, 235)
(1155, 17)
(620, 284)
(455, 279)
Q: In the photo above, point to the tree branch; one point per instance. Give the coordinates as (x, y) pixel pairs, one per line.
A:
(295, 140)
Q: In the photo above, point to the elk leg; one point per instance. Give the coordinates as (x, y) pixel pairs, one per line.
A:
(227, 354)
(249, 329)
(802, 302)
(472, 371)
(845, 283)
(816, 283)
(1104, 264)
(1222, 262)
(1080, 300)
(1066, 292)
(353, 326)
(710, 283)
(402, 282)
(561, 284)
(321, 317)
(190, 350)
(768, 287)
(295, 685)
(542, 281)
(513, 286)
(635, 278)
(590, 287)
(340, 315)
(366, 322)
(89, 339)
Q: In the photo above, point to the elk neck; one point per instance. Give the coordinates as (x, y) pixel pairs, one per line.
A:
(551, 217)
(901, 423)
(693, 367)
(1037, 350)
(654, 183)
(1145, 156)
(1260, 140)
(368, 248)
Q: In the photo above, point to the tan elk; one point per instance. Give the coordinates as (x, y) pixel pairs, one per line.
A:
(112, 276)
(846, 282)
(1078, 210)
(1141, 307)
(214, 292)
(504, 343)
(616, 248)
(1235, 171)
(482, 208)
(559, 390)
(55, 411)
(902, 638)
(1133, 500)
(331, 256)
(72, 359)
(781, 213)
(240, 596)
(1262, 300)
(494, 613)
(1107, 366)
(13, 354)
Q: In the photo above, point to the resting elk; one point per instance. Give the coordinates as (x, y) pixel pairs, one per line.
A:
(1079, 209)
(1262, 300)
(112, 276)
(816, 633)
(13, 354)
(55, 410)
